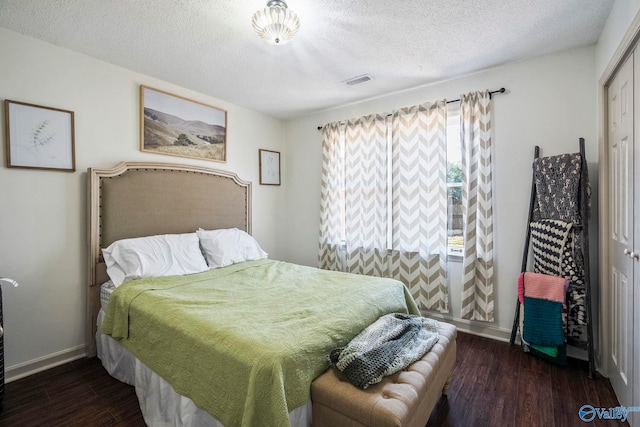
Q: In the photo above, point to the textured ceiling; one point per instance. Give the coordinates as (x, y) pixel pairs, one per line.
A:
(210, 47)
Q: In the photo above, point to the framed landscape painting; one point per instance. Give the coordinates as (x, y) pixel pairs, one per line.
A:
(177, 126)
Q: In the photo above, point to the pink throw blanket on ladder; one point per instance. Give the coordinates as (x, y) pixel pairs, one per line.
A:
(542, 286)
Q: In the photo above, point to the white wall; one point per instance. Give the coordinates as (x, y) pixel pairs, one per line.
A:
(42, 213)
(620, 18)
(551, 102)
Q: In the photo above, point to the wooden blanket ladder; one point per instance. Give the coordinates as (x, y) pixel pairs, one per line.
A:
(582, 229)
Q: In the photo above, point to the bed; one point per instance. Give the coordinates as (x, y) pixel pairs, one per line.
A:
(135, 200)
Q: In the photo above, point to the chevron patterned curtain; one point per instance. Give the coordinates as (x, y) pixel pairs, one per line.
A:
(366, 215)
(475, 135)
(384, 187)
(331, 197)
(419, 148)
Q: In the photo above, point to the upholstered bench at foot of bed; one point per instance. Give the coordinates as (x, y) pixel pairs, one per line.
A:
(406, 398)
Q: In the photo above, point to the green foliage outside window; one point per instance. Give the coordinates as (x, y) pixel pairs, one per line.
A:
(454, 175)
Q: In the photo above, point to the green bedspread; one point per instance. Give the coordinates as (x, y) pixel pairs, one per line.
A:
(245, 342)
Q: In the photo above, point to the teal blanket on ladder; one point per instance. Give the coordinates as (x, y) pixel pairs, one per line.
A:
(543, 322)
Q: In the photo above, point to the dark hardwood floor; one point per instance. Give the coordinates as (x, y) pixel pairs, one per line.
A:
(493, 385)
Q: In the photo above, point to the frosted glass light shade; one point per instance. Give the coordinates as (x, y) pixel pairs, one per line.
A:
(276, 24)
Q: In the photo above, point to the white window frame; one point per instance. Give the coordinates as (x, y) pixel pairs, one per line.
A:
(454, 253)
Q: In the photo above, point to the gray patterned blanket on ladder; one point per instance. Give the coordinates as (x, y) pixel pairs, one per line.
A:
(555, 232)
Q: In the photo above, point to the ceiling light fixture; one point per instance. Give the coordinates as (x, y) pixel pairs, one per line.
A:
(276, 24)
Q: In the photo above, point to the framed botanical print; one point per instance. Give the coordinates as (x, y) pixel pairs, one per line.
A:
(269, 167)
(39, 137)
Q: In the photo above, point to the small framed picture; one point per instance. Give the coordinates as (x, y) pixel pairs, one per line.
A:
(39, 137)
(269, 167)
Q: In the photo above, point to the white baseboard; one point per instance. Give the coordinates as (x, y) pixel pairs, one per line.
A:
(577, 353)
(495, 332)
(31, 367)
(40, 364)
(474, 327)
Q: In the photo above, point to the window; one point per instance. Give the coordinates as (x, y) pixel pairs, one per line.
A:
(455, 238)
(422, 241)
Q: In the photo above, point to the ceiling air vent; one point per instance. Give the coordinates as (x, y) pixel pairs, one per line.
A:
(357, 80)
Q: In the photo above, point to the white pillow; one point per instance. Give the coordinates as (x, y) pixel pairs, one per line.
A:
(229, 246)
(154, 256)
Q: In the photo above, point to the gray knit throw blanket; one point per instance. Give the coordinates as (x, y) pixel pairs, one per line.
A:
(557, 180)
(388, 345)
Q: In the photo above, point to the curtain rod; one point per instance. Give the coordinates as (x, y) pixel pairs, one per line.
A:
(491, 92)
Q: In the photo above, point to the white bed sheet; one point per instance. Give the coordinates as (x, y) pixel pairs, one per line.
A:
(161, 406)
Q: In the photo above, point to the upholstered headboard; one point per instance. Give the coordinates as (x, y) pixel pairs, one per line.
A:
(144, 199)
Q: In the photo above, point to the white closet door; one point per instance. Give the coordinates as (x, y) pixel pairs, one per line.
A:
(620, 145)
(635, 417)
